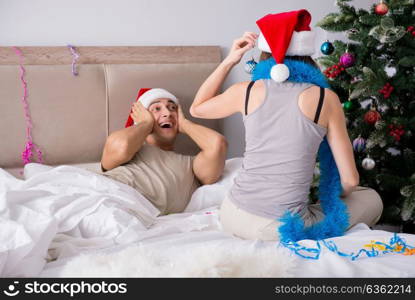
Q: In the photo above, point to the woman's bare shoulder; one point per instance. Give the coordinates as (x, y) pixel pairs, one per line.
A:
(332, 96)
(308, 102)
(334, 105)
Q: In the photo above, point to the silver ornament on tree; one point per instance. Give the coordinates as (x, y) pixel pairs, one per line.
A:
(250, 66)
(368, 163)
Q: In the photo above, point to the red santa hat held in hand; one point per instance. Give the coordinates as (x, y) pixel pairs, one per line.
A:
(147, 96)
(284, 34)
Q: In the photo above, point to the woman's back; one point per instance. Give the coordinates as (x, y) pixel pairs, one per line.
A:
(280, 153)
(281, 138)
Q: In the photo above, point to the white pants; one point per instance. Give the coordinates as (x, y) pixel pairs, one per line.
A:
(364, 206)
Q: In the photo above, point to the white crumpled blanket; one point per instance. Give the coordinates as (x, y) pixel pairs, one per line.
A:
(74, 218)
(64, 210)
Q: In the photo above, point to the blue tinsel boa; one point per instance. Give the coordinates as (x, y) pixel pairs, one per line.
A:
(336, 219)
(299, 72)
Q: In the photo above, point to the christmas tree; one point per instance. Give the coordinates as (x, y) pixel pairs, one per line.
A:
(373, 75)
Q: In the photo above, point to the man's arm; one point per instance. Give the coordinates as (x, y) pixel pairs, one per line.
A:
(121, 146)
(209, 162)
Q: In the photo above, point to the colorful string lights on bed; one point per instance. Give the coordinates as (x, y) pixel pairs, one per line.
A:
(30, 146)
(374, 248)
(75, 57)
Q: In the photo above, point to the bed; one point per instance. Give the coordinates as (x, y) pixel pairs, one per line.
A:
(63, 219)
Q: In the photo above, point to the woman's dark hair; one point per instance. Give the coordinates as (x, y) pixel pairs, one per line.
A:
(305, 59)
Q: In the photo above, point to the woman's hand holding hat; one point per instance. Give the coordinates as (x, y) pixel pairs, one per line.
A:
(239, 47)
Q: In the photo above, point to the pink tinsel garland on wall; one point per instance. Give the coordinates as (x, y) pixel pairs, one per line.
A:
(30, 146)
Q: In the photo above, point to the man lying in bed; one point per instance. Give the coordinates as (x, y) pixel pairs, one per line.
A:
(142, 155)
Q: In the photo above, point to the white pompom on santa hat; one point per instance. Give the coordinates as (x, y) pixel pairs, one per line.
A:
(284, 34)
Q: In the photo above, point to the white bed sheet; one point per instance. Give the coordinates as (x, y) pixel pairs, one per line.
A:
(188, 229)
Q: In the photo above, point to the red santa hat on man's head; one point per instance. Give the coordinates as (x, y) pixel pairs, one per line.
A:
(147, 96)
(284, 34)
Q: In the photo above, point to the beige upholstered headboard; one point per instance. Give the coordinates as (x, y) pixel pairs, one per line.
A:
(73, 115)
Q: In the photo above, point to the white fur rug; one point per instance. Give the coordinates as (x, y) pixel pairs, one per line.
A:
(202, 260)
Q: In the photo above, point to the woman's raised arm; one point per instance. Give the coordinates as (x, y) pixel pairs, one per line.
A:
(207, 103)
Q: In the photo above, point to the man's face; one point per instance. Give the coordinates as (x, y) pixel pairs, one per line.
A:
(165, 119)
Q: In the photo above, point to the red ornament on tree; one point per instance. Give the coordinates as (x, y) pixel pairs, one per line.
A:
(381, 9)
(396, 131)
(411, 30)
(372, 116)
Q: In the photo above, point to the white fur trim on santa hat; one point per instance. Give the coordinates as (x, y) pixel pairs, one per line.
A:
(150, 96)
(280, 73)
(301, 44)
(262, 43)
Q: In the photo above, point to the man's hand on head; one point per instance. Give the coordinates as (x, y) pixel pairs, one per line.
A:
(141, 115)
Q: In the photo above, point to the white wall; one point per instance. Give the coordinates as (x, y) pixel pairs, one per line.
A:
(155, 22)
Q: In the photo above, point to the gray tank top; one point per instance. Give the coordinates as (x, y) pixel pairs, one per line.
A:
(280, 154)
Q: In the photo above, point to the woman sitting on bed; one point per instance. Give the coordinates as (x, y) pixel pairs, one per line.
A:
(285, 123)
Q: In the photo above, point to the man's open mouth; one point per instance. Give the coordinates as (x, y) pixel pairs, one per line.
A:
(166, 125)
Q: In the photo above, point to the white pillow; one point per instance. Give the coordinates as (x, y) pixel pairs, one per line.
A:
(213, 194)
(32, 169)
